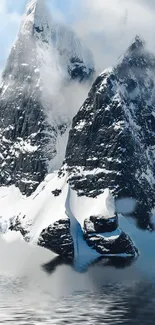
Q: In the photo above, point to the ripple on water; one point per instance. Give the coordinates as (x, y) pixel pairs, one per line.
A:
(128, 304)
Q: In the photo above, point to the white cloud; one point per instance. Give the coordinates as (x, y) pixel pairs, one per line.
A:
(110, 26)
(107, 26)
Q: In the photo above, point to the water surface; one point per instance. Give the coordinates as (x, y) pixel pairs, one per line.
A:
(37, 288)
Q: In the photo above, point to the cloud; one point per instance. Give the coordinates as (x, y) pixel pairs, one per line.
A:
(108, 27)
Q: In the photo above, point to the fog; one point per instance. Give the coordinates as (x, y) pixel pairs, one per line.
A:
(109, 27)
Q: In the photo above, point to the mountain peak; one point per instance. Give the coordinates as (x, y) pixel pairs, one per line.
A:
(32, 4)
(111, 143)
(36, 14)
(137, 44)
(136, 56)
(36, 79)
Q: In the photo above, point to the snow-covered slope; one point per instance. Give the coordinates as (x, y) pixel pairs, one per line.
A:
(110, 154)
(36, 85)
(112, 140)
(54, 217)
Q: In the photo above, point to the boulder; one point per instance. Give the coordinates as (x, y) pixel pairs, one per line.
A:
(121, 244)
(100, 224)
(58, 239)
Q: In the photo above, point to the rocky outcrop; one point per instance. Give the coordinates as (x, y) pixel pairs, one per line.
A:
(103, 235)
(120, 245)
(100, 224)
(58, 239)
(112, 140)
(16, 225)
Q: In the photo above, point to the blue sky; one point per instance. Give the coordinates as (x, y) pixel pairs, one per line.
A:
(107, 26)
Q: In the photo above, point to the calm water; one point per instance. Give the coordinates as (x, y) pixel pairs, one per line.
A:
(36, 288)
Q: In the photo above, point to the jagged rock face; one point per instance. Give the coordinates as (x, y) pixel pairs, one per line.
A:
(58, 239)
(30, 121)
(112, 140)
(22, 158)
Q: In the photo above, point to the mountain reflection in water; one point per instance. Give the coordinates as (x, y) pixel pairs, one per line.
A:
(128, 303)
(36, 287)
(117, 262)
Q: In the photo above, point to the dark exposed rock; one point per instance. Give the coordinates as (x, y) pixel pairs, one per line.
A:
(56, 192)
(15, 225)
(100, 224)
(22, 141)
(77, 70)
(58, 239)
(112, 139)
(120, 245)
(95, 233)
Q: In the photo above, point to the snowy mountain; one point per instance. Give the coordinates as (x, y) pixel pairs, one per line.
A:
(44, 64)
(112, 140)
(110, 151)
